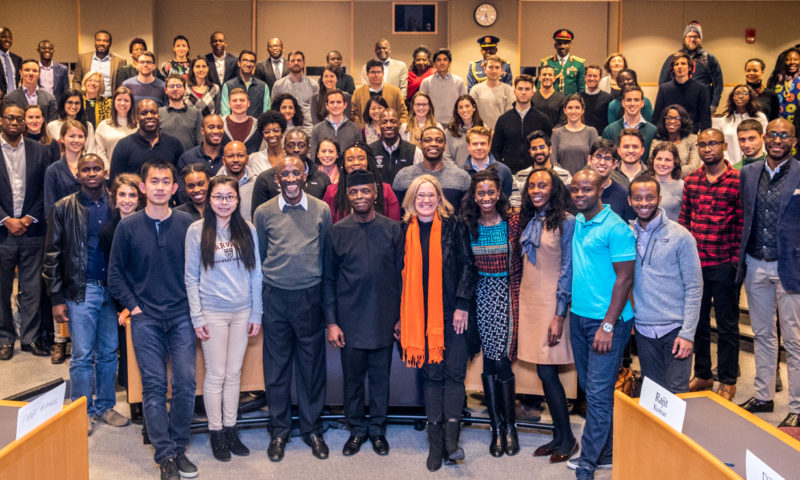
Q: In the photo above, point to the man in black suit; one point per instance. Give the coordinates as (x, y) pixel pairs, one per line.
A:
(221, 64)
(30, 93)
(53, 76)
(22, 229)
(9, 62)
(274, 67)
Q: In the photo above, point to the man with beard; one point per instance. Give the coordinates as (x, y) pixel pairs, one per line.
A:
(361, 298)
(145, 85)
(392, 153)
(145, 144)
(222, 65)
(539, 150)
(257, 91)
(704, 67)
(235, 158)
(274, 67)
(291, 230)
(712, 211)
(630, 148)
(101, 60)
(767, 255)
(604, 159)
(395, 72)
(178, 119)
(568, 69)
(603, 257)
(209, 152)
(547, 99)
(297, 84)
(667, 288)
(315, 182)
(454, 180)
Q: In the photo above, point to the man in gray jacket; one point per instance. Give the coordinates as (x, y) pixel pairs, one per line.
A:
(667, 289)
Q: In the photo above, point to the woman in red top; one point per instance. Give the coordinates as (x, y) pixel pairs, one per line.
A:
(421, 67)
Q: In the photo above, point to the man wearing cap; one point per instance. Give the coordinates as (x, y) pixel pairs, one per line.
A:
(569, 69)
(704, 67)
(476, 73)
(361, 284)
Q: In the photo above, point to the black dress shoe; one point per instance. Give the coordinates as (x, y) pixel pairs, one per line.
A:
(318, 446)
(379, 444)
(754, 405)
(277, 445)
(353, 445)
(791, 420)
(36, 350)
(6, 352)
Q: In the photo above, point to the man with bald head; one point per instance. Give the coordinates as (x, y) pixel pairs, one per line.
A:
(395, 72)
(235, 158)
(209, 152)
(291, 230)
(769, 265)
(392, 152)
(274, 67)
(603, 255)
(712, 212)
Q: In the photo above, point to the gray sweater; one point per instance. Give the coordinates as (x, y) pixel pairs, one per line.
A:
(668, 281)
(228, 286)
(291, 242)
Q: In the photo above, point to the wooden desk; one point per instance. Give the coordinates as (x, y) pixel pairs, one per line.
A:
(58, 448)
(715, 432)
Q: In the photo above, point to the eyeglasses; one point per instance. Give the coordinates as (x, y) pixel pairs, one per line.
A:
(670, 118)
(425, 196)
(224, 198)
(741, 93)
(604, 158)
(146, 62)
(175, 86)
(14, 119)
(711, 144)
(777, 135)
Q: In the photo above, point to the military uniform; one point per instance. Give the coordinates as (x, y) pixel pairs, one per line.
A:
(570, 77)
(476, 74)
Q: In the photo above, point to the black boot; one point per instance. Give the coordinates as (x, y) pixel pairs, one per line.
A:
(497, 446)
(452, 429)
(234, 444)
(509, 411)
(219, 446)
(435, 447)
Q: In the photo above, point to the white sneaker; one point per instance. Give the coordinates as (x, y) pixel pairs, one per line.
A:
(572, 464)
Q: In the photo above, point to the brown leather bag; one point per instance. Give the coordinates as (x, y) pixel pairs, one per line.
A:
(626, 381)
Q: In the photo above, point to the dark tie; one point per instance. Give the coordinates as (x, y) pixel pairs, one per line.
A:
(10, 85)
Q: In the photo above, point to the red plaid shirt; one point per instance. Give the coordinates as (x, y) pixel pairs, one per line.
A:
(713, 213)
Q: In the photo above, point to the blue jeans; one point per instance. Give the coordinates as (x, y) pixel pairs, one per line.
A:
(597, 375)
(156, 340)
(93, 329)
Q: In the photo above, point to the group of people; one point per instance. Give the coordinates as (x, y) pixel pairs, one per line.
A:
(220, 198)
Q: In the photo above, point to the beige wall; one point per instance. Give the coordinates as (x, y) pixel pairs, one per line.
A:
(129, 20)
(62, 27)
(464, 33)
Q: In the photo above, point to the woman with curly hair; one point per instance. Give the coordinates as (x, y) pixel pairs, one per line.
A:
(494, 235)
(421, 68)
(676, 127)
(287, 105)
(785, 81)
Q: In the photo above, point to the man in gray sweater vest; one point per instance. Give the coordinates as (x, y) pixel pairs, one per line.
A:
(667, 289)
(291, 229)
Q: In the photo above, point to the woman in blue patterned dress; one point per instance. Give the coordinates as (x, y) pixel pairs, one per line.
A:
(785, 81)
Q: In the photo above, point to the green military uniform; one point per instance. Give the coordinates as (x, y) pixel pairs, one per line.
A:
(570, 78)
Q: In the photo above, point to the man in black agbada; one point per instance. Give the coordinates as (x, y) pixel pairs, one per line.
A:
(361, 282)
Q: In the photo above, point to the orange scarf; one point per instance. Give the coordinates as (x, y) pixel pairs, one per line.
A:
(412, 310)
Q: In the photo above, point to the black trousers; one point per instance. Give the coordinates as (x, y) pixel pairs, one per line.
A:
(294, 338)
(25, 254)
(443, 383)
(721, 290)
(359, 364)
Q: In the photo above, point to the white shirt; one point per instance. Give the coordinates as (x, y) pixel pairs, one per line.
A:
(16, 167)
(47, 77)
(103, 65)
(219, 64)
(303, 201)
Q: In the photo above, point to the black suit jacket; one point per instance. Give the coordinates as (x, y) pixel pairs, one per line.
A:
(17, 61)
(44, 100)
(266, 73)
(60, 79)
(231, 68)
(788, 222)
(36, 160)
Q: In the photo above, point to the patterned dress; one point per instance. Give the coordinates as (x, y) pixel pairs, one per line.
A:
(788, 91)
(492, 295)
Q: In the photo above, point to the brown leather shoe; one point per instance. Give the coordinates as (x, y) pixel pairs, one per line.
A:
(59, 353)
(697, 384)
(558, 458)
(726, 391)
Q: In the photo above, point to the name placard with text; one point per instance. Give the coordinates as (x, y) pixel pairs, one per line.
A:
(662, 403)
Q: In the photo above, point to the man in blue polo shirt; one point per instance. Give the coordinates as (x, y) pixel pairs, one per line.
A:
(603, 257)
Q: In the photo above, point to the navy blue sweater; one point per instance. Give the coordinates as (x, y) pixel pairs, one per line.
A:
(146, 265)
(132, 151)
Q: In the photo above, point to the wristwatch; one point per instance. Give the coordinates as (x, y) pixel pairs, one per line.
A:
(607, 327)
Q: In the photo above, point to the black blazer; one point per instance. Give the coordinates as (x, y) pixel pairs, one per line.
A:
(788, 222)
(44, 99)
(231, 69)
(36, 160)
(17, 61)
(60, 79)
(266, 73)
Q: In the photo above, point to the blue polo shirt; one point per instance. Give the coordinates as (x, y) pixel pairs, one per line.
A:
(596, 246)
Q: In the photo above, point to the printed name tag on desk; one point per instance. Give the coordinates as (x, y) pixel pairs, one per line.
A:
(756, 469)
(663, 404)
(38, 411)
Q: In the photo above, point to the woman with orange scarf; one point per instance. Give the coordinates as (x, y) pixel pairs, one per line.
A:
(438, 283)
